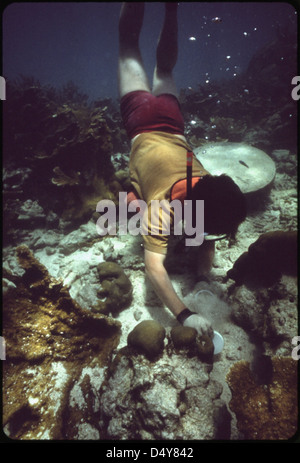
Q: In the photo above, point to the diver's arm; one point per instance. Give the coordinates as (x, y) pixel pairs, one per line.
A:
(157, 274)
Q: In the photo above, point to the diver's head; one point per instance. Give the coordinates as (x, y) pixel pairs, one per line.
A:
(224, 204)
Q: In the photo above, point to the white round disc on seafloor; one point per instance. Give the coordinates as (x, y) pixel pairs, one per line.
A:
(249, 167)
(218, 342)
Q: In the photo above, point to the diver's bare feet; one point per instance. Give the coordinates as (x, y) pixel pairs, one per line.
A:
(171, 6)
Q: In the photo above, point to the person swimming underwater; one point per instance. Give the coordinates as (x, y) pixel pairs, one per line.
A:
(155, 126)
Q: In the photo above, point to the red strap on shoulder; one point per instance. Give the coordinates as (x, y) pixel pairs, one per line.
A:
(189, 158)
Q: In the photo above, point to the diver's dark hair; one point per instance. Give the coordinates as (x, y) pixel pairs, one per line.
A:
(224, 204)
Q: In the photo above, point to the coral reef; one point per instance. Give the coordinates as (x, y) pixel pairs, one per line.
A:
(265, 411)
(64, 145)
(50, 340)
(70, 373)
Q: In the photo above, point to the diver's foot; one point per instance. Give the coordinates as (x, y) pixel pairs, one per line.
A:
(171, 6)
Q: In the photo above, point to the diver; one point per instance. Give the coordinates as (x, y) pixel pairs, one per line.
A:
(157, 165)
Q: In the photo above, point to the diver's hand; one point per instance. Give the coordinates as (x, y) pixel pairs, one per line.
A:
(200, 324)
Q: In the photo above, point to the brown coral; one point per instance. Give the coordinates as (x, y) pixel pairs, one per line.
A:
(115, 293)
(147, 338)
(265, 411)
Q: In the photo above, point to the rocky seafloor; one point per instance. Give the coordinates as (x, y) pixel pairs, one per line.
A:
(50, 392)
(71, 297)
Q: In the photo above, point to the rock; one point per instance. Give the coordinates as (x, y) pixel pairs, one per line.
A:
(7, 286)
(147, 338)
(15, 179)
(31, 214)
(50, 342)
(174, 398)
(250, 168)
(116, 288)
(272, 255)
(281, 155)
(269, 314)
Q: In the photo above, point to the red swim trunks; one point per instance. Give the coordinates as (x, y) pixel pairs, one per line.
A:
(143, 112)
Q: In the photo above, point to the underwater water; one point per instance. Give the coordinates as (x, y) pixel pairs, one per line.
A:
(72, 297)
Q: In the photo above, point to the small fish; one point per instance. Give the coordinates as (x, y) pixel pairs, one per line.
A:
(217, 19)
(243, 164)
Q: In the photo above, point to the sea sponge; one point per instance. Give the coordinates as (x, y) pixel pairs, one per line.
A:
(265, 411)
(147, 338)
(116, 288)
(268, 258)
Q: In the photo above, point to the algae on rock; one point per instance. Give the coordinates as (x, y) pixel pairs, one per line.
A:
(265, 411)
(49, 340)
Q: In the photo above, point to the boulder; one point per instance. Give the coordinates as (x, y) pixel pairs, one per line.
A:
(249, 167)
(173, 398)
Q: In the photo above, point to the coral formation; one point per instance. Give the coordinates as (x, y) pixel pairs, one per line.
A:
(64, 143)
(49, 341)
(148, 338)
(62, 179)
(116, 288)
(272, 255)
(183, 336)
(186, 338)
(265, 411)
(63, 378)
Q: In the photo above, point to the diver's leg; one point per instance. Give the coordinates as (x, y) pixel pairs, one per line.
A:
(166, 53)
(131, 73)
